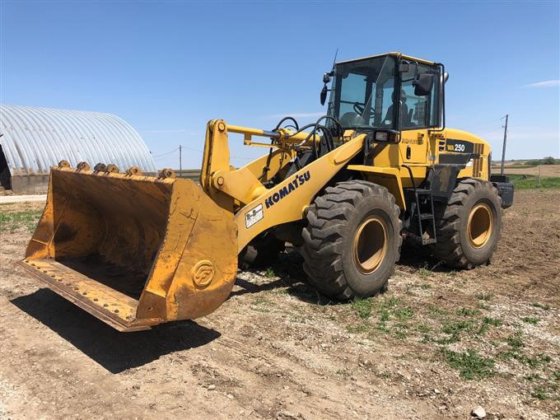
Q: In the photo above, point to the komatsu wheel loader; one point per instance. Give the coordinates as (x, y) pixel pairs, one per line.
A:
(136, 251)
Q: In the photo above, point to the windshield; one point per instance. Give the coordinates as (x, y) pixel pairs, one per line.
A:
(362, 93)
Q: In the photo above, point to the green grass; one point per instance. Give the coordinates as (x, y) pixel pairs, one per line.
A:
(515, 341)
(530, 320)
(467, 312)
(515, 351)
(362, 307)
(470, 364)
(488, 322)
(525, 182)
(391, 315)
(454, 329)
(539, 393)
(13, 221)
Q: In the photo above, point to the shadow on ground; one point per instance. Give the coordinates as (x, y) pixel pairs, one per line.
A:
(117, 351)
(113, 350)
(288, 271)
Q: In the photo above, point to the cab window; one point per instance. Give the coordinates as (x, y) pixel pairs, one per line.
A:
(418, 111)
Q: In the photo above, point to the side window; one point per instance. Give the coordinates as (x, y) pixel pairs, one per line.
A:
(384, 103)
(418, 111)
(353, 90)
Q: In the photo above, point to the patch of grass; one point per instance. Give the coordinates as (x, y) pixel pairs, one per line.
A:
(556, 375)
(436, 311)
(524, 182)
(515, 341)
(383, 375)
(363, 307)
(487, 322)
(424, 272)
(270, 272)
(401, 331)
(546, 307)
(515, 351)
(539, 393)
(11, 222)
(467, 312)
(534, 362)
(454, 330)
(484, 296)
(533, 377)
(530, 320)
(402, 314)
(423, 328)
(470, 364)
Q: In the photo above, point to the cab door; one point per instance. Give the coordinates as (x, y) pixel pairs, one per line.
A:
(416, 117)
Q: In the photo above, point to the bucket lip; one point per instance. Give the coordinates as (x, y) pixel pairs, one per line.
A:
(118, 175)
(75, 287)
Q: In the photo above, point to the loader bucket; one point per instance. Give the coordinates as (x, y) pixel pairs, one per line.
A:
(132, 250)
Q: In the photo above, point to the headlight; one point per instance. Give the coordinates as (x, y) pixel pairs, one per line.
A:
(386, 136)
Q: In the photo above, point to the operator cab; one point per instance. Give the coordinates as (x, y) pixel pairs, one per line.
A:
(386, 93)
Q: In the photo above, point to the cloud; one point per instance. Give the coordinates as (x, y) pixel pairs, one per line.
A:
(544, 84)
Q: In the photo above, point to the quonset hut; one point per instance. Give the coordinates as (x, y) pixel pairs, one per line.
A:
(34, 139)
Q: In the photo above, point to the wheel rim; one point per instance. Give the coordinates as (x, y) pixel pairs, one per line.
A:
(480, 225)
(370, 244)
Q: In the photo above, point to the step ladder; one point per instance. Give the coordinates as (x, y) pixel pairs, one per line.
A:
(423, 211)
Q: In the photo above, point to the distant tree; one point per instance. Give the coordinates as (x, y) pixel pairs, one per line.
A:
(533, 162)
(549, 160)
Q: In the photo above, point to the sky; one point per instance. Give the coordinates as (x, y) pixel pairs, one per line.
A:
(168, 67)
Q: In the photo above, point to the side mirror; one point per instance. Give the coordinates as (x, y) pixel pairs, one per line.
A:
(423, 84)
(324, 94)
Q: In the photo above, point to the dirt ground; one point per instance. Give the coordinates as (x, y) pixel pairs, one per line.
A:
(437, 344)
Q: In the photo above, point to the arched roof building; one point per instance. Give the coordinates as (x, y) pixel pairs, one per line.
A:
(34, 139)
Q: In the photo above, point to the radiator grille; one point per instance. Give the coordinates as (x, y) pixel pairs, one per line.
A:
(478, 160)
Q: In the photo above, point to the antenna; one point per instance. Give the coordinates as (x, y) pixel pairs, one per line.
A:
(334, 59)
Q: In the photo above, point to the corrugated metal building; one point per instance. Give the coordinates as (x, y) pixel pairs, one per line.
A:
(34, 139)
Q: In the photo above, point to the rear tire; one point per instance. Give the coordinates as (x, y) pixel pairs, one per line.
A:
(470, 225)
(352, 240)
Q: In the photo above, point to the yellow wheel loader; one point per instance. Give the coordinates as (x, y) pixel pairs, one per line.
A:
(136, 251)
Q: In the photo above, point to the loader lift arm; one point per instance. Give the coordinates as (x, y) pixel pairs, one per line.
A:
(256, 207)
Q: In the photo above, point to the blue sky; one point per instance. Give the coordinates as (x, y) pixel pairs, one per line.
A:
(167, 67)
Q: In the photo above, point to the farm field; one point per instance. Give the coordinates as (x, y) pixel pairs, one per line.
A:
(437, 344)
(542, 170)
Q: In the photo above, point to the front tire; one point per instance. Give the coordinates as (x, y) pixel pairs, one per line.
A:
(470, 225)
(352, 240)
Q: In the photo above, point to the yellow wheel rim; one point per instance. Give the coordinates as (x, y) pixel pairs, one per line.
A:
(370, 244)
(480, 225)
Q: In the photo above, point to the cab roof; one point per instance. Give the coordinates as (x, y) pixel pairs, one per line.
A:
(394, 54)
